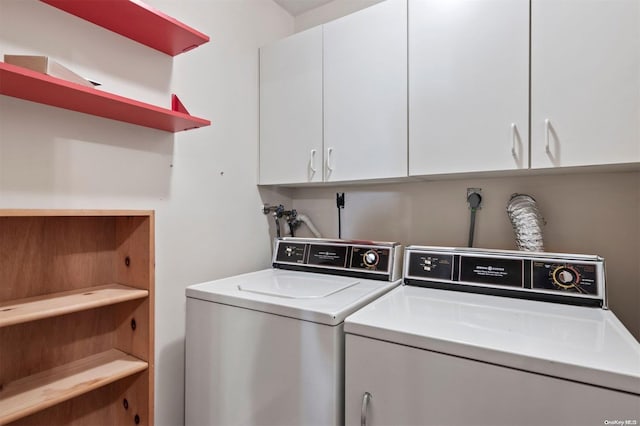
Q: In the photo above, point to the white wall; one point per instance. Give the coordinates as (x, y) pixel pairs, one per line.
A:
(200, 182)
(330, 11)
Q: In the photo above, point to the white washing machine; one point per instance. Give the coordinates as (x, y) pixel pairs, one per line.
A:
(267, 348)
(448, 348)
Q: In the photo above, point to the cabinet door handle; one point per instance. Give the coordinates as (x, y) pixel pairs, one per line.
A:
(547, 130)
(312, 161)
(514, 140)
(329, 165)
(366, 398)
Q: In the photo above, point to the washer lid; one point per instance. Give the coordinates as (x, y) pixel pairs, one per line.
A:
(297, 286)
(578, 343)
(321, 298)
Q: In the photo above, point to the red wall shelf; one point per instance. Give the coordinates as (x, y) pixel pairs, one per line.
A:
(33, 86)
(137, 21)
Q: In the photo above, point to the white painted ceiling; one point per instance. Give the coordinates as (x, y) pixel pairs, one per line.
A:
(296, 7)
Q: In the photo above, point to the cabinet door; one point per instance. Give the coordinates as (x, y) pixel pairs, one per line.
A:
(468, 85)
(411, 386)
(585, 82)
(365, 93)
(291, 109)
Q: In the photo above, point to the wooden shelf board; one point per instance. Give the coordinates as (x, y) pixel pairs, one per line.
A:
(39, 307)
(33, 86)
(137, 21)
(71, 213)
(48, 388)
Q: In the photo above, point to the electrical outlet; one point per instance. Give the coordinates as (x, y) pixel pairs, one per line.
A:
(474, 190)
(474, 198)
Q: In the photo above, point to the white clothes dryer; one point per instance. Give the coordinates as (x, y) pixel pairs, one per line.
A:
(267, 348)
(448, 348)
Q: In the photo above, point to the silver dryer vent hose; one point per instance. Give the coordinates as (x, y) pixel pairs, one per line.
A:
(527, 222)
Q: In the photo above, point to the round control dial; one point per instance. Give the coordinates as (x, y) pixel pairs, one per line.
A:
(565, 277)
(371, 258)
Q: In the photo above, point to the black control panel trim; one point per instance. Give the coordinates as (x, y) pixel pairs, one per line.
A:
(498, 271)
(527, 275)
(569, 279)
(492, 291)
(379, 261)
(331, 256)
(327, 271)
(322, 269)
(456, 266)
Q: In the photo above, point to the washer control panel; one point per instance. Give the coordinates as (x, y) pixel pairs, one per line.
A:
(566, 278)
(353, 258)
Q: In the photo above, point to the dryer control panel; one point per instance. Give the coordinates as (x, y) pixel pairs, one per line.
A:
(367, 259)
(566, 278)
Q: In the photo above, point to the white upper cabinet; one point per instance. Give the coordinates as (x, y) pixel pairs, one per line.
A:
(291, 109)
(468, 85)
(365, 93)
(351, 100)
(585, 82)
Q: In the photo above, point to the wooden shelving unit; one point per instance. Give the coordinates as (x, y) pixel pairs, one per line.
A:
(33, 86)
(137, 21)
(76, 317)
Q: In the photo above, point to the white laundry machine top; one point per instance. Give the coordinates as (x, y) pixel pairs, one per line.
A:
(574, 341)
(315, 280)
